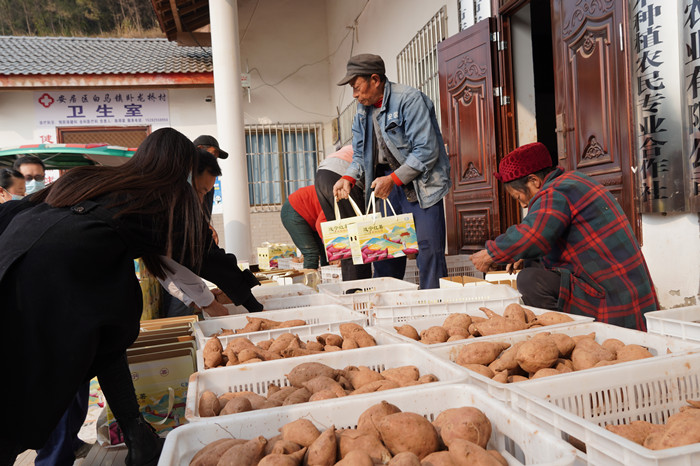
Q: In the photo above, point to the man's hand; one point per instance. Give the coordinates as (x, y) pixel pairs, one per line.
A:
(341, 189)
(215, 309)
(482, 260)
(221, 297)
(382, 186)
(514, 267)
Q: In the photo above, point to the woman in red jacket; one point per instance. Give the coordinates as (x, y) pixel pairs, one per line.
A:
(302, 216)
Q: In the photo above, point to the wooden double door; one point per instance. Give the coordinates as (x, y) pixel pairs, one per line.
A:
(583, 103)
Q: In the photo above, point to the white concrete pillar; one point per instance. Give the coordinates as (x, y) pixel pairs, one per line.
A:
(229, 122)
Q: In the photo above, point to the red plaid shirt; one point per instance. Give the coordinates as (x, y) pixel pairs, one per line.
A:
(576, 227)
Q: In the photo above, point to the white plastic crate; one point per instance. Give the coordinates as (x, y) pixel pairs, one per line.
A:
(427, 322)
(658, 345)
(683, 322)
(533, 445)
(256, 377)
(400, 306)
(289, 302)
(331, 274)
(457, 265)
(268, 292)
(308, 333)
(364, 289)
(318, 316)
(581, 404)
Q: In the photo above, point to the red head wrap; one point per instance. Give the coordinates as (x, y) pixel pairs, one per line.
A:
(523, 161)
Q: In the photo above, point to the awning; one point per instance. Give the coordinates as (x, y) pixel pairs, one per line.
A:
(63, 156)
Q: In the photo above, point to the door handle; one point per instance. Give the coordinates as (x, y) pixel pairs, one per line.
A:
(561, 131)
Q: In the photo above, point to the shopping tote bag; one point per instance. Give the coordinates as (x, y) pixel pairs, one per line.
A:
(335, 233)
(376, 238)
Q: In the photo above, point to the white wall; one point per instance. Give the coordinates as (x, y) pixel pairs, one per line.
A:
(672, 251)
(16, 118)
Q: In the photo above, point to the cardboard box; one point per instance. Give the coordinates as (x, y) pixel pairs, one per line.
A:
(502, 278)
(455, 282)
(268, 254)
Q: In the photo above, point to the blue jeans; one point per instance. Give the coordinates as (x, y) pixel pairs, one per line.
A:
(304, 236)
(59, 449)
(430, 229)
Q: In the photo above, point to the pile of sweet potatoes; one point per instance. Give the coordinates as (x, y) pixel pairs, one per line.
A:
(543, 355)
(682, 428)
(313, 381)
(257, 324)
(384, 435)
(461, 326)
(241, 350)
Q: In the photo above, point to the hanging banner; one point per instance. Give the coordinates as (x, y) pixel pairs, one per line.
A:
(691, 80)
(657, 99)
(102, 108)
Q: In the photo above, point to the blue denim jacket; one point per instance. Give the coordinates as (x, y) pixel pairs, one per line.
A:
(410, 129)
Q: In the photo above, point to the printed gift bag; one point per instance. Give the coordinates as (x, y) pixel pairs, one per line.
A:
(335, 233)
(376, 238)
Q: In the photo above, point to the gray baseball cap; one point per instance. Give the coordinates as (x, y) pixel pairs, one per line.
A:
(361, 65)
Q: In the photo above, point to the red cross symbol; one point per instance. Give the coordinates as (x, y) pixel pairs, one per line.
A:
(46, 100)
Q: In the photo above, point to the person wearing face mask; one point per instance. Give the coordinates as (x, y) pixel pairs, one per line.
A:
(12, 185)
(575, 246)
(33, 170)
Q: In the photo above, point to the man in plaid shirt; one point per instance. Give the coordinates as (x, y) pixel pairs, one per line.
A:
(576, 248)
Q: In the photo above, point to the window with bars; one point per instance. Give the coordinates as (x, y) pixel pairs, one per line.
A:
(417, 63)
(281, 159)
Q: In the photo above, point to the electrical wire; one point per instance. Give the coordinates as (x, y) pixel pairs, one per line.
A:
(245, 31)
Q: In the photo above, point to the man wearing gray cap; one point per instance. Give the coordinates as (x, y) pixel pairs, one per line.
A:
(398, 148)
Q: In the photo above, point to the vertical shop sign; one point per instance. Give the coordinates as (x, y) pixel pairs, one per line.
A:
(691, 80)
(657, 97)
(482, 9)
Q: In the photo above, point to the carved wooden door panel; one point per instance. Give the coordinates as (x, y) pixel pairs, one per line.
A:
(468, 126)
(593, 94)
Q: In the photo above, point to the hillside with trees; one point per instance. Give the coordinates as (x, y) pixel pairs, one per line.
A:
(78, 18)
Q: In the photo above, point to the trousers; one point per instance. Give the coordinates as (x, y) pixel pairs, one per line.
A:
(539, 286)
(430, 230)
(304, 237)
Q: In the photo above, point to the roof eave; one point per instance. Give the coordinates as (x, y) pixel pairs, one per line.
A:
(47, 81)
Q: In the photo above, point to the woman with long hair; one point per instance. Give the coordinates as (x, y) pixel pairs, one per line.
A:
(71, 302)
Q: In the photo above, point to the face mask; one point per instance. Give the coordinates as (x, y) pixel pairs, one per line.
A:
(16, 197)
(189, 178)
(34, 186)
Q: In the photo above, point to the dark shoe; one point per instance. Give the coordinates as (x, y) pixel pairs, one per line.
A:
(143, 443)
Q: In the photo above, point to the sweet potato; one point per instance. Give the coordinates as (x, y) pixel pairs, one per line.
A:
(565, 344)
(506, 361)
(587, 353)
(236, 405)
(230, 357)
(370, 417)
(578, 338)
(212, 353)
(244, 454)
(427, 378)
(408, 432)
(499, 324)
(307, 371)
(500, 377)
(350, 440)
(536, 354)
(457, 331)
(323, 395)
(632, 353)
(278, 459)
(323, 450)
(545, 372)
(281, 342)
(356, 458)
(516, 378)
(292, 323)
(432, 335)
(498, 457)
(438, 458)
(563, 365)
(457, 320)
(301, 431)
(209, 404)
(636, 431)
(406, 458)
(376, 386)
(465, 453)
(357, 333)
(322, 382)
(210, 454)
(281, 394)
(362, 376)
(612, 345)
(683, 428)
(246, 354)
(408, 331)
(467, 423)
(349, 343)
(251, 326)
(300, 395)
(265, 344)
(481, 352)
(294, 352)
(401, 375)
(281, 446)
(481, 369)
(553, 318)
(515, 311)
(330, 339)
